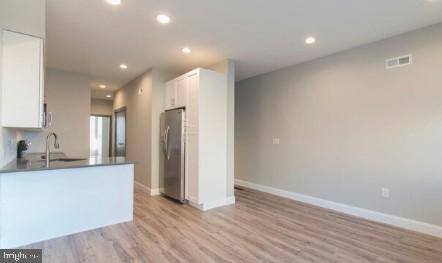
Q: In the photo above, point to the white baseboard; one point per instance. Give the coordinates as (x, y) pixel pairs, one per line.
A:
(230, 200)
(155, 191)
(401, 222)
(148, 190)
(207, 206)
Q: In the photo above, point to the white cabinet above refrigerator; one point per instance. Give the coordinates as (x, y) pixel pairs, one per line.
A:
(176, 93)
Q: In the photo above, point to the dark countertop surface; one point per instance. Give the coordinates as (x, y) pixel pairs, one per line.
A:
(34, 162)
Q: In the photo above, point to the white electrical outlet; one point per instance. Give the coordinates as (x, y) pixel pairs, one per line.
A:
(385, 193)
(276, 141)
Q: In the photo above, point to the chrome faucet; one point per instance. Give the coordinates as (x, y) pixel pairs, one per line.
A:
(48, 148)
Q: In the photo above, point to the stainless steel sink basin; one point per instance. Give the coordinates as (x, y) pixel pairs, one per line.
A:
(64, 159)
(67, 159)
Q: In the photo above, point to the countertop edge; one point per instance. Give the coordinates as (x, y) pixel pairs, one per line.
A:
(34, 164)
(63, 168)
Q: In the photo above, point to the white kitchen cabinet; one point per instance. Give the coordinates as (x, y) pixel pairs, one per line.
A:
(203, 93)
(170, 95)
(22, 85)
(181, 92)
(176, 93)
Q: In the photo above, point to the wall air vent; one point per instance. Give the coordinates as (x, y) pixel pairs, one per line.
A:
(399, 61)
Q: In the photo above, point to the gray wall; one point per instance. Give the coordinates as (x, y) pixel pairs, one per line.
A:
(349, 127)
(138, 119)
(158, 79)
(68, 96)
(27, 17)
(143, 99)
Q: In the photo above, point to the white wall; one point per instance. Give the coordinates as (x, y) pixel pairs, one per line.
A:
(68, 96)
(28, 17)
(24, 16)
(228, 67)
(102, 107)
(349, 127)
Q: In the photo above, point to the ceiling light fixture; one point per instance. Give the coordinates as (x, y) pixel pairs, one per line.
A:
(163, 19)
(123, 66)
(310, 40)
(108, 96)
(186, 50)
(102, 86)
(114, 2)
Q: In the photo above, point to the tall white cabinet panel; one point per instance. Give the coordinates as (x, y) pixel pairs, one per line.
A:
(212, 139)
(22, 80)
(203, 93)
(192, 140)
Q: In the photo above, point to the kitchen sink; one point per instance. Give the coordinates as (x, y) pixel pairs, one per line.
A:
(64, 159)
(67, 159)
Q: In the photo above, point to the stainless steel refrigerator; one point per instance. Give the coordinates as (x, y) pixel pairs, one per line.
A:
(172, 154)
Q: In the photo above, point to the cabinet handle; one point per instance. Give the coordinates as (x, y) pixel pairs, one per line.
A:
(49, 123)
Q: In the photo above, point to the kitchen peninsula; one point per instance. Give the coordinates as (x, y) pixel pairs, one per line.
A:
(70, 196)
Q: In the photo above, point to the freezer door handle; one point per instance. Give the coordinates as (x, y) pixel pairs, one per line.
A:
(166, 143)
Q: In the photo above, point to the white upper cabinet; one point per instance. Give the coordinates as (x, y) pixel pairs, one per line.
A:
(22, 85)
(181, 94)
(171, 94)
(176, 93)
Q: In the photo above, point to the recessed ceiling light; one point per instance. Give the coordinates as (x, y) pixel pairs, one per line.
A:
(186, 50)
(310, 40)
(108, 96)
(123, 66)
(114, 2)
(102, 86)
(163, 19)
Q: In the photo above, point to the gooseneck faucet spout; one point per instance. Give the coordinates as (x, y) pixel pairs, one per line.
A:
(48, 147)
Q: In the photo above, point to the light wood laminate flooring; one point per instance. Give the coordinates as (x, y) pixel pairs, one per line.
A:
(258, 228)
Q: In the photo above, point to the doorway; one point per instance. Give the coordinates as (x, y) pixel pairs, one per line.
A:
(100, 136)
(120, 132)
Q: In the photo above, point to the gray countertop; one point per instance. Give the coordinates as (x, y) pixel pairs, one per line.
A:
(34, 162)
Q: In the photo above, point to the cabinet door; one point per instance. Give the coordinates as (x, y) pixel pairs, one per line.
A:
(171, 94)
(22, 80)
(192, 141)
(181, 93)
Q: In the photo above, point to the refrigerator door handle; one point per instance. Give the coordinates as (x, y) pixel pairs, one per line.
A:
(166, 142)
(163, 141)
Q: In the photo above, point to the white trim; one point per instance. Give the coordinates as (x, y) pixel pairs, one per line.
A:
(155, 191)
(401, 222)
(147, 189)
(207, 206)
(196, 205)
(230, 200)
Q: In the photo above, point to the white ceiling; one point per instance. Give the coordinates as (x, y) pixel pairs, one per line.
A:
(93, 37)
